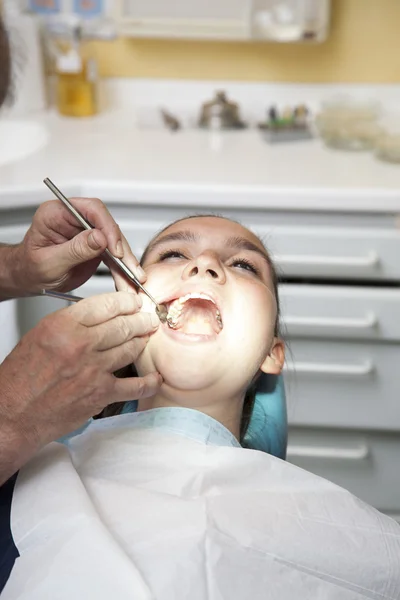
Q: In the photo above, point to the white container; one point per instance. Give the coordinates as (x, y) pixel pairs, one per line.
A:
(27, 65)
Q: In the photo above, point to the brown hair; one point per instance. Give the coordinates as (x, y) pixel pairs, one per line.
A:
(249, 399)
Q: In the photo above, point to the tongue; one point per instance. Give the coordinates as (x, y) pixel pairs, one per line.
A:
(198, 318)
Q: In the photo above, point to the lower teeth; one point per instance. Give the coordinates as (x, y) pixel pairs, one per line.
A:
(172, 324)
(175, 314)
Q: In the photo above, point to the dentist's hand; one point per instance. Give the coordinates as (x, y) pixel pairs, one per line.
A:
(61, 372)
(56, 254)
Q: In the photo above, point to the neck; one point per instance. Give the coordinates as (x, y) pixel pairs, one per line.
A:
(227, 411)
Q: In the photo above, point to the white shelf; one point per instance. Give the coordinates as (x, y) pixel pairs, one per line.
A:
(263, 20)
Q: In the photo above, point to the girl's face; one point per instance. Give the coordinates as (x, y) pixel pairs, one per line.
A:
(215, 278)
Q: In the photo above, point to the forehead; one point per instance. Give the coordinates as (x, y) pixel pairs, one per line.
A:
(213, 230)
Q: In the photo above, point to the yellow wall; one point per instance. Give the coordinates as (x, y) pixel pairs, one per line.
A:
(363, 46)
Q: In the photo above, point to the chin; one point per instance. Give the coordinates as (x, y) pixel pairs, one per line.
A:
(192, 367)
(189, 381)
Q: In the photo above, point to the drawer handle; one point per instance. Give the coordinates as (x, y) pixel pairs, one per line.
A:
(360, 453)
(330, 368)
(368, 322)
(360, 262)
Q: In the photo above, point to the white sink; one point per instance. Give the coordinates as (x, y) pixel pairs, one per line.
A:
(20, 138)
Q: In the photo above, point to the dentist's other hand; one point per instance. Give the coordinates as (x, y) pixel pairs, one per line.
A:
(61, 372)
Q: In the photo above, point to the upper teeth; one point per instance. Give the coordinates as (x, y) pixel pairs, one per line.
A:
(177, 307)
(184, 299)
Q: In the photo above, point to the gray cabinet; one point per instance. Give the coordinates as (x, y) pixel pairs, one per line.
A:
(340, 296)
(18, 316)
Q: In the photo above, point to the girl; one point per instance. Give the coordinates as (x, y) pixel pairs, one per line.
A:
(164, 503)
(220, 286)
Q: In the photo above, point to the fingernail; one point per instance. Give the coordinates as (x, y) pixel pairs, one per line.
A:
(93, 240)
(158, 376)
(120, 249)
(154, 320)
(140, 272)
(139, 300)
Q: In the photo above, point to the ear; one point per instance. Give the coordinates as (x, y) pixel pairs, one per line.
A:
(273, 364)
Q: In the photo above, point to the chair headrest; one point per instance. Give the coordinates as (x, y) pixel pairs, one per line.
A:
(268, 428)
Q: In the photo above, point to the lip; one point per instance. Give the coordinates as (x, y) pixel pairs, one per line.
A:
(193, 290)
(191, 337)
(188, 338)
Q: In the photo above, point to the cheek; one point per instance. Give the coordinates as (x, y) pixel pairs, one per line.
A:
(157, 284)
(148, 361)
(147, 304)
(144, 363)
(159, 278)
(253, 319)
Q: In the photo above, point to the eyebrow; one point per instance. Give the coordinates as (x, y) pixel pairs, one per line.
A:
(242, 243)
(234, 242)
(179, 236)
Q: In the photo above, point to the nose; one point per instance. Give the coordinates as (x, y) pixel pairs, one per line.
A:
(205, 265)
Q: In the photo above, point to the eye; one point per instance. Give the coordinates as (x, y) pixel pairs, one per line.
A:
(243, 263)
(171, 254)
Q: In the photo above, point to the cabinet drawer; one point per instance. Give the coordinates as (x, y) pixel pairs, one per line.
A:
(140, 232)
(319, 251)
(337, 384)
(301, 251)
(13, 234)
(364, 464)
(331, 384)
(340, 312)
(334, 252)
(98, 284)
(31, 310)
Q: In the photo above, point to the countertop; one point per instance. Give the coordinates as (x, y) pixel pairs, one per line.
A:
(110, 157)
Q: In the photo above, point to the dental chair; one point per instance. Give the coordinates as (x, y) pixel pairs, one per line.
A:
(268, 428)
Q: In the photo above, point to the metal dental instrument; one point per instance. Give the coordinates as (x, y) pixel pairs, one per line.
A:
(61, 296)
(161, 309)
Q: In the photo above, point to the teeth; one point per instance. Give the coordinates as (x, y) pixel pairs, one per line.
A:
(177, 306)
(184, 299)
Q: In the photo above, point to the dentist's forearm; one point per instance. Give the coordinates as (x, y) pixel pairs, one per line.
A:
(10, 272)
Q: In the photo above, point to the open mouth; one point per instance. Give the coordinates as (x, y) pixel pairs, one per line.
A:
(194, 313)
